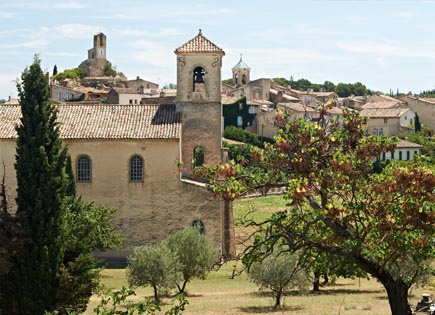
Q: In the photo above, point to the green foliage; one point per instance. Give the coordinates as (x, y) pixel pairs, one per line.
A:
(198, 156)
(427, 142)
(342, 89)
(228, 81)
(279, 272)
(193, 252)
(109, 70)
(338, 205)
(76, 73)
(32, 285)
(70, 189)
(154, 266)
(87, 228)
(231, 112)
(238, 134)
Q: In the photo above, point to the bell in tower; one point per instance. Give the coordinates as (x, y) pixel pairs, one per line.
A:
(198, 79)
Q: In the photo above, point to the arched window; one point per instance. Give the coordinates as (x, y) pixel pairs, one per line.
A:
(136, 169)
(198, 156)
(84, 169)
(198, 79)
(244, 79)
(199, 226)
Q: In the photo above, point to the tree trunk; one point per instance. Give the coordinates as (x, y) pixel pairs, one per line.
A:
(316, 281)
(278, 295)
(182, 288)
(398, 297)
(156, 295)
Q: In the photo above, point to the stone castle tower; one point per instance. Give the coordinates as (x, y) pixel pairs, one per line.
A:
(94, 65)
(241, 73)
(199, 63)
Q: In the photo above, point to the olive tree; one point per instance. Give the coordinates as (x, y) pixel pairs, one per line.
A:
(153, 265)
(279, 272)
(193, 252)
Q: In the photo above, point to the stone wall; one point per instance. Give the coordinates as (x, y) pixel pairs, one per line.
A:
(147, 211)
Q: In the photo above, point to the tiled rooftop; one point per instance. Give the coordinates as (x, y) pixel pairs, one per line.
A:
(383, 112)
(104, 121)
(199, 44)
(380, 105)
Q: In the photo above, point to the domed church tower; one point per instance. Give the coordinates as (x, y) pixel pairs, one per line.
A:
(241, 73)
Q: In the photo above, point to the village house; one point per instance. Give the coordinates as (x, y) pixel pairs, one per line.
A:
(424, 107)
(388, 121)
(138, 158)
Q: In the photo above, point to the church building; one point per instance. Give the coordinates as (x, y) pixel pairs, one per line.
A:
(139, 158)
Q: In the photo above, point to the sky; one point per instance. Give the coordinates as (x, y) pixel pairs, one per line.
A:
(383, 44)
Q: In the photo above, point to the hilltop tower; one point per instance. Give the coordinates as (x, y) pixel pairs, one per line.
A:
(94, 65)
(199, 63)
(241, 73)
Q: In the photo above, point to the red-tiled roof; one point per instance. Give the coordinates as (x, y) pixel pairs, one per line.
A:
(104, 121)
(199, 44)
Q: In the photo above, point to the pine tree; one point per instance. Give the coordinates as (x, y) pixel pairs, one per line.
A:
(33, 283)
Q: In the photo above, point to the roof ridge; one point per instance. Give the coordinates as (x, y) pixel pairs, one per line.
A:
(199, 44)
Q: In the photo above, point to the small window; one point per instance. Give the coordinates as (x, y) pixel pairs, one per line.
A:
(135, 101)
(131, 101)
(244, 79)
(239, 121)
(251, 110)
(59, 96)
(408, 155)
(198, 156)
(415, 152)
(199, 226)
(136, 169)
(381, 131)
(400, 155)
(375, 131)
(84, 169)
(383, 156)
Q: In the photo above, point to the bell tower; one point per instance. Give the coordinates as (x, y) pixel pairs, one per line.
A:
(241, 73)
(199, 63)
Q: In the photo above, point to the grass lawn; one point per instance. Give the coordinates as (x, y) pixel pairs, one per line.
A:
(219, 294)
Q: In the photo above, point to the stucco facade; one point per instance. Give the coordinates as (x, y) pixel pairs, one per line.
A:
(159, 200)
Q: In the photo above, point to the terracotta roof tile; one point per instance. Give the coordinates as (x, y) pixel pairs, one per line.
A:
(199, 44)
(104, 121)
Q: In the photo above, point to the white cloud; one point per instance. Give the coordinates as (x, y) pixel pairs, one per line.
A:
(387, 50)
(183, 12)
(147, 34)
(152, 53)
(28, 44)
(69, 4)
(76, 30)
(405, 16)
(6, 15)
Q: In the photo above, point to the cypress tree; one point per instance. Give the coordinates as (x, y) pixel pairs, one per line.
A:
(33, 283)
(54, 70)
(417, 124)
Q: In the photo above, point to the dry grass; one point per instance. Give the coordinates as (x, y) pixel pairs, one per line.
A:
(219, 294)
